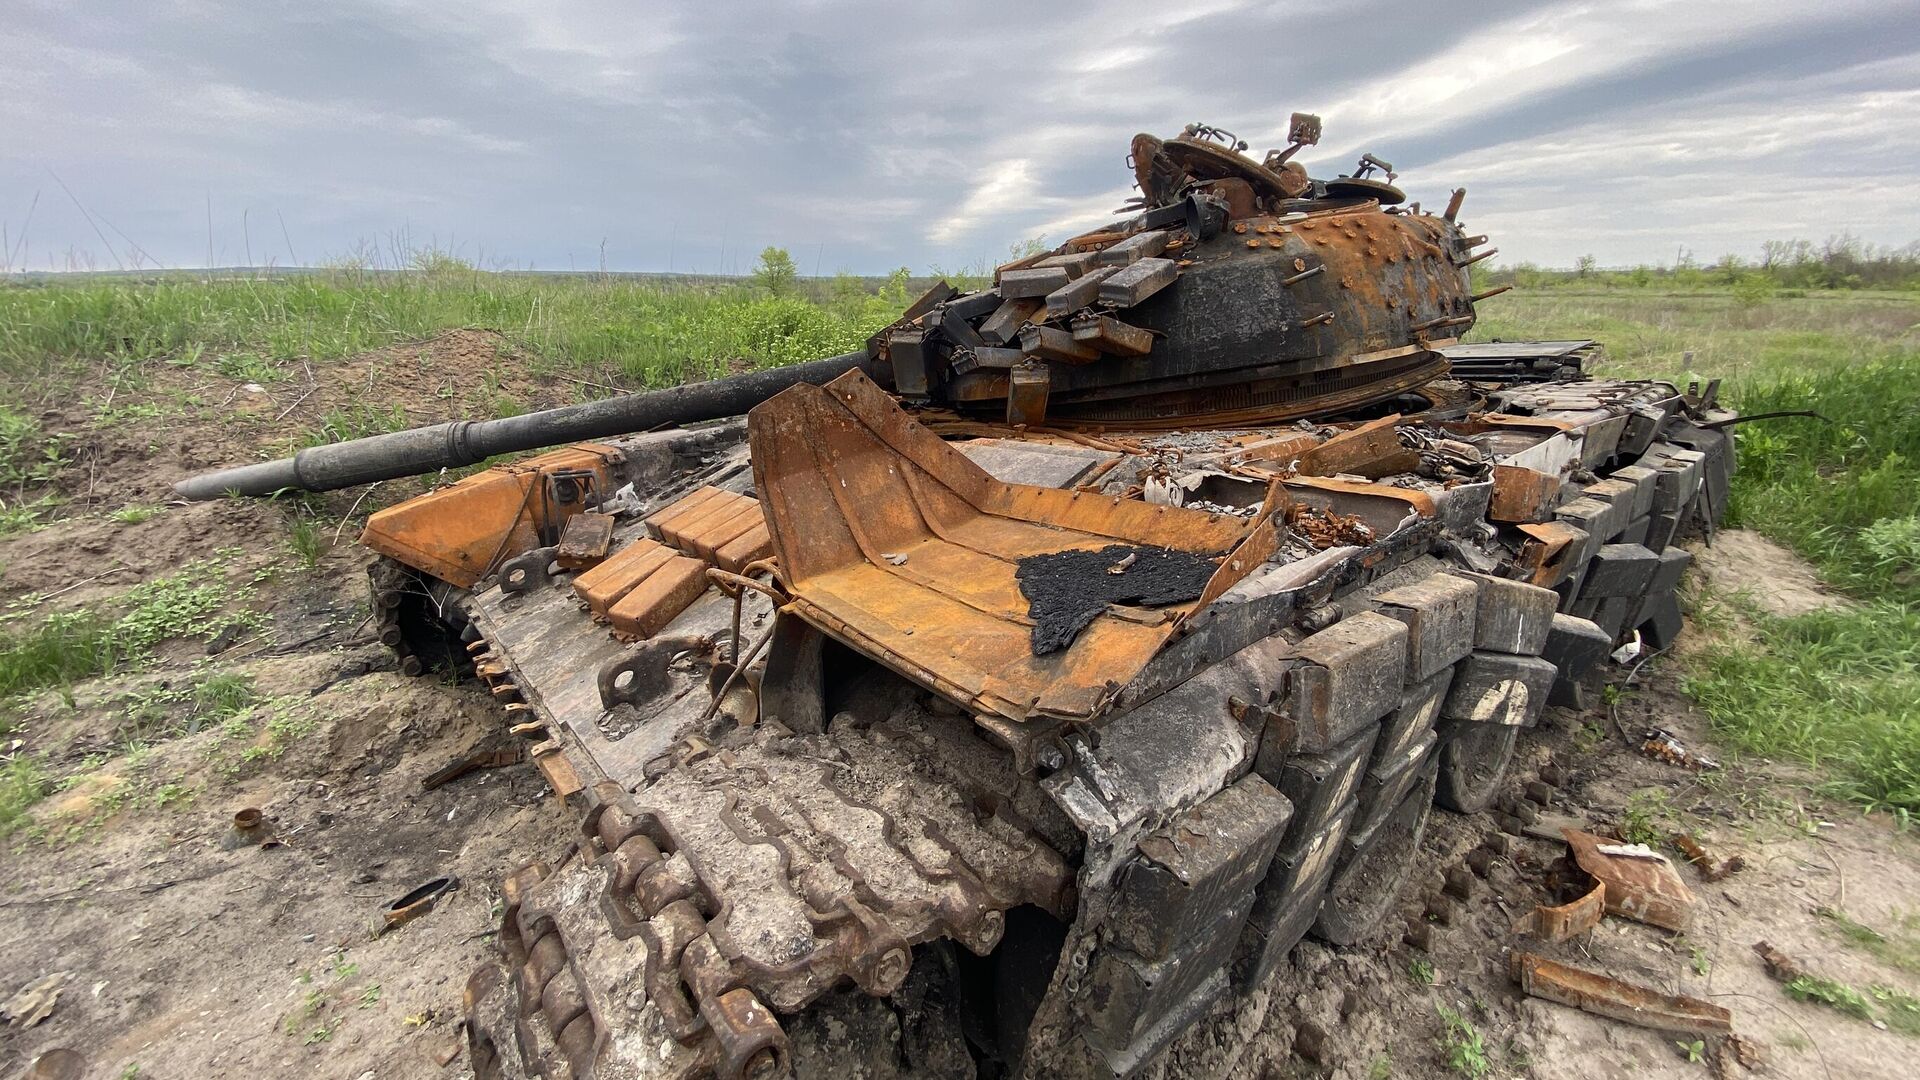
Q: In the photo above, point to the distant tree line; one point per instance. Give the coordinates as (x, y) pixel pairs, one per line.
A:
(1841, 262)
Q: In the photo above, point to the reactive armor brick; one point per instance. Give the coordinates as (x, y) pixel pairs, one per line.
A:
(1575, 645)
(1678, 478)
(1614, 490)
(1661, 529)
(615, 577)
(1299, 861)
(1349, 676)
(1499, 688)
(1660, 623)
(1602, 520)
(1614, 615)
(1318, 785)
(1644, 481)
(1127, 993)
(1636, 531)
(1620, 570)
(1202, 864)
(1387, 782)
(1439, 613)
(1512, 616)
(1419, 710)
(1264, 944)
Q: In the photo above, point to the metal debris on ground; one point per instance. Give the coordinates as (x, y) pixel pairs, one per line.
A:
(1557, 924)
(1710, 868)
(1603, 995)
(1641, 883)
(34, 1002)
(1662, 745)
(418, 902)
(1778, 964)
(251, 828)
(471, 763)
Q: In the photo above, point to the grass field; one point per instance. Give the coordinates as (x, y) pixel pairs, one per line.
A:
(1839, 690)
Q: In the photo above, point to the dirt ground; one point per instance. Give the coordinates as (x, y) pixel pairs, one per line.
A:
(180, 954)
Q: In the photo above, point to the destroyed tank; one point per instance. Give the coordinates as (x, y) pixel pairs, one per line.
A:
(998, 699)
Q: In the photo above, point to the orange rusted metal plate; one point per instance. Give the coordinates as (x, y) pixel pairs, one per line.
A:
(1522, 495)
(604, 585)
(585, 541)
(893, 541)
(1602, 995)
(1545, 552)
(1358, 451)
(656, 599)
(1641, 883)
(1557, 924)
(464, 531)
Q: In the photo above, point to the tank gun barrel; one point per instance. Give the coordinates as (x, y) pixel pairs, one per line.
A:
(464, 442)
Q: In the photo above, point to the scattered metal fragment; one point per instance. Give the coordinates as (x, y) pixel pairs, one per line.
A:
(1557, 924)
(1325, 529)
(1662, 745)
(1710, 868)
(474, 762)
(1735, 1050)
(34, 1002)
(1603, 995)
(250, 829)
(418, 902)
(1778, 964)
(1641, 883)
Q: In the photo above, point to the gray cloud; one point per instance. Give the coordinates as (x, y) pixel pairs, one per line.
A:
(874, 135)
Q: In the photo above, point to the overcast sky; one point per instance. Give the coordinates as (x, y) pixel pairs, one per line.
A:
(867, 136)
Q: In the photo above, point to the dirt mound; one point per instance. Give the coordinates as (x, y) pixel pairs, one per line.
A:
(1777, 581)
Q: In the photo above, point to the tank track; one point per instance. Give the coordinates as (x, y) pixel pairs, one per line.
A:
(795, 864)
(761, 885)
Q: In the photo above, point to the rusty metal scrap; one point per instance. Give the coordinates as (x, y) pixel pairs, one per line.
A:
(1641, 883)
(1662, 745)
(1710, 868)
(1557, 924)
(1324, 529)
(1603, 995)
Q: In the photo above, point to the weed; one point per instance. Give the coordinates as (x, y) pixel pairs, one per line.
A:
(1420, 970)
(1700, 960)
(134, 515)
(1649, 819)
(65, 646)
(1381, 1068)
(22, 784)
(309, 542)
(1899, 948)
(1695, 1051)
(1465, 1048)
(357, 422)
(1903, 1009)
(369, 996)
(1831, 993)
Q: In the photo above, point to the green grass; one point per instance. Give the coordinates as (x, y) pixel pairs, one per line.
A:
(651, 333)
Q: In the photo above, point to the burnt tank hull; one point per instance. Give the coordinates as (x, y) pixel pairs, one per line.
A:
(998, 700)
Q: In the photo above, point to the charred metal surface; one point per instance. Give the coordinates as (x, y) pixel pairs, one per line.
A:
(1066, 590)
(1001, 698)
